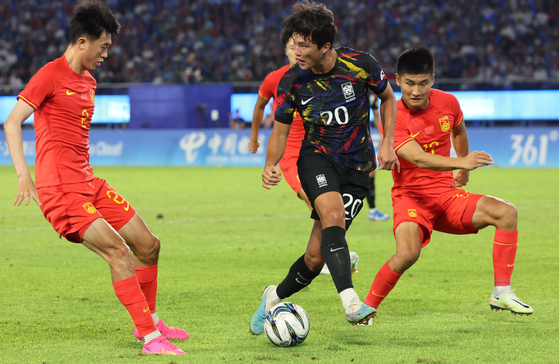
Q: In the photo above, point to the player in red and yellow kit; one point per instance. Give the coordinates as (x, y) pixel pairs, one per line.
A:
(80, 206)
(268, 90)
(426, 197)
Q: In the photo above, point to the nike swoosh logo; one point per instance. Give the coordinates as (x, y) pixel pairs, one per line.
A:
(298, 281)
(333, 250)
(146, 309)
(304, 102)
(510, 265)
(520, 303)
(69, 93)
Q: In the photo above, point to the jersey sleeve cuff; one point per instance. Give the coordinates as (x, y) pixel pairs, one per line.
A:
(21, 97)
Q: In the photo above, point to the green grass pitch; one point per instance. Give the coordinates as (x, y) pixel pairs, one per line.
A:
(224, 238)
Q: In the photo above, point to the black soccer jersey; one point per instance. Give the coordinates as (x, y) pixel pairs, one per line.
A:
(334, 107)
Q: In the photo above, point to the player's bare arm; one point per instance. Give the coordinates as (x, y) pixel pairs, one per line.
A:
(271, 175)
(413, 153)
(387, 158)
(12, 127)
(461, 147)
(257, 117)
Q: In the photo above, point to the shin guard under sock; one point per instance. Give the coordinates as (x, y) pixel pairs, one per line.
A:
(336, 255)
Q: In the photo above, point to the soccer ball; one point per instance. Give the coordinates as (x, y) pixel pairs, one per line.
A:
(286, 324)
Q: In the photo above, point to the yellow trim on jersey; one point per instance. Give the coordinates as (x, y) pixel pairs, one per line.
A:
(461, 119)
(259, 94)
(28, 102)
(412, 137)
(321, 85)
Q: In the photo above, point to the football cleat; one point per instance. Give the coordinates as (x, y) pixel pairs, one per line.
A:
(376, 215)
(161, 346)
(509, 301)
(360, 315)
(257, 320)
(167, 331)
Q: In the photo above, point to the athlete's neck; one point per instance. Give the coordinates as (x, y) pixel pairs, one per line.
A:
(73, 59)
(327, 63)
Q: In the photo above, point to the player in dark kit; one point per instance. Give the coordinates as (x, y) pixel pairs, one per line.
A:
(329, 89)
(80, 206)
(426, 197)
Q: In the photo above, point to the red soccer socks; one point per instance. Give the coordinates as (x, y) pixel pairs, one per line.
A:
(385, 280)
(130, 295)
(504, 253)
(147, 277)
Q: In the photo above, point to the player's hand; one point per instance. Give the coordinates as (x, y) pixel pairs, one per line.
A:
(477, 159)
(26, 191)
(387, 158)
(461, 177)
(253, 145)
(271, 176)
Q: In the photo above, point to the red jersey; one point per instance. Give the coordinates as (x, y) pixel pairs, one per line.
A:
(430, 128)
(63, 101)
(269, 89)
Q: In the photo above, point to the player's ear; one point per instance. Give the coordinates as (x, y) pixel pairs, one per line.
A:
(82, 42)
(326, 47)
(397, 79)
(433, 80)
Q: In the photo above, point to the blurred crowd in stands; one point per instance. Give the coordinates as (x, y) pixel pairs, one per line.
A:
(178, 41)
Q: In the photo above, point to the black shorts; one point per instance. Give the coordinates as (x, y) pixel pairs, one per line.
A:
(319, 174)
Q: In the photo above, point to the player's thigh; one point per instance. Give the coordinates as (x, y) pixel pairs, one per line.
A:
(494, 211)
(408, 239)
(355, 186)
(116, 210)
(139, 237)
(318, 176)
(419, 210)
(69, 208)
(101, 238)
(458, 208)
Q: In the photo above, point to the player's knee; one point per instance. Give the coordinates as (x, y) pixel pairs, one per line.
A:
(408, 257)
(508, 215)
(118, 251)
(333, 217)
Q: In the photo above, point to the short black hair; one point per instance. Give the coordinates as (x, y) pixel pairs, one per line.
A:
(90, 19)
(285, 37)
(311, 20)
(415, 61)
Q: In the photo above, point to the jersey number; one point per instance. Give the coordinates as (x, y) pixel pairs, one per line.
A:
(341, 119)
(352, 206)
(430, 147)
(85, 115)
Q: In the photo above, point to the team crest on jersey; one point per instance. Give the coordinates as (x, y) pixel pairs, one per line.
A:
(321, 180)
(445, 123)
(412, 212)
(349, 92)
(88, 206)
(92, 95)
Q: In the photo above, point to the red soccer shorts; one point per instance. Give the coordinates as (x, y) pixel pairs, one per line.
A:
(288, 165)
(72, 208)
(449, 210)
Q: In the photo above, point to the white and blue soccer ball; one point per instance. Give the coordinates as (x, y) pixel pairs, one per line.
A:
(286, 324)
